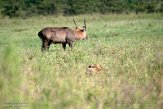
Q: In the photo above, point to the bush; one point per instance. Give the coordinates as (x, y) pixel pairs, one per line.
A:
(21, 8)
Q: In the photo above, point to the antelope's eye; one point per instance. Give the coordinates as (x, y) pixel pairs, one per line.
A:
(89, 66)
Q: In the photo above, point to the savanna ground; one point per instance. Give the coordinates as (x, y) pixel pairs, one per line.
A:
(128, 47)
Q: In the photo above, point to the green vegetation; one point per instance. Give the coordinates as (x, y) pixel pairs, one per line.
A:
(128, 47)
(27, 8)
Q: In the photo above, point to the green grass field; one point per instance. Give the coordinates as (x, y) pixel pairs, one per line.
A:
(128, 47)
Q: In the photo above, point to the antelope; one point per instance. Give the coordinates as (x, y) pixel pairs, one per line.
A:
(61, 35)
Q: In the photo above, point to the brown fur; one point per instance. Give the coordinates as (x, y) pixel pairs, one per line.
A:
(63, 35)
(93, 69)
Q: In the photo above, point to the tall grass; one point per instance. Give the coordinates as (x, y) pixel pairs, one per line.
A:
(128, 47)
(10, 76)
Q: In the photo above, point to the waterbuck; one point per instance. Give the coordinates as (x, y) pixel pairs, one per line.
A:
(62, 35)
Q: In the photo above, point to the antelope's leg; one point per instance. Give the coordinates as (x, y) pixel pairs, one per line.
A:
(45, 45)
(70, 44)
(49, 43)
(64, 46)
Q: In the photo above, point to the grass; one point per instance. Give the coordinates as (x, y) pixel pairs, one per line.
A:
(128, 47)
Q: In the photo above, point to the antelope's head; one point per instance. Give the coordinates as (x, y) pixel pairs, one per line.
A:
(80, 32)
(93, 69)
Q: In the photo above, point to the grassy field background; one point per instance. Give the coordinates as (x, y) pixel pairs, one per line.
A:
(128, 47)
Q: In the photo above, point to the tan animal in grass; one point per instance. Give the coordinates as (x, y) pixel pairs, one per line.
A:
(93, 69)
(62, 35)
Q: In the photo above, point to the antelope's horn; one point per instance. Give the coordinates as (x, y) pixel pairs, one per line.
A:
(85, 24)
(75, 22)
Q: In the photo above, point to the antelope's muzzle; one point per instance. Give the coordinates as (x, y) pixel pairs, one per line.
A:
(86, 38)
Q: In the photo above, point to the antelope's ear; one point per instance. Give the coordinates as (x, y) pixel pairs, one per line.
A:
(98, 66)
